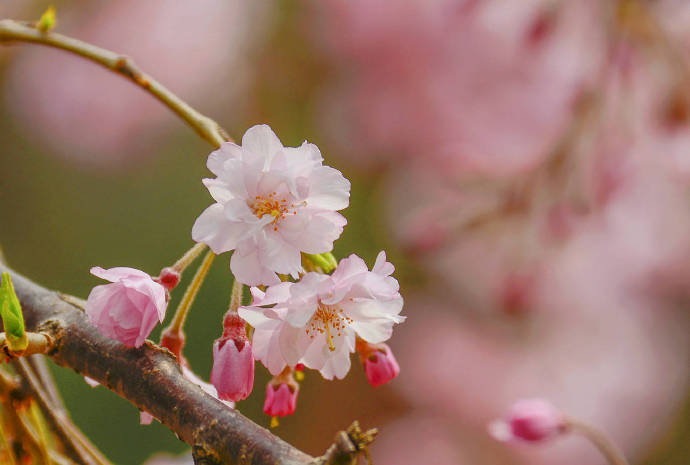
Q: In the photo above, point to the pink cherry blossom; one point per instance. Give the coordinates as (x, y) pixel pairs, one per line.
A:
(379, 362)
(233, 368)
(272, 202)
(316, 320)
(530, 420)
(281, 398)
(127, 309)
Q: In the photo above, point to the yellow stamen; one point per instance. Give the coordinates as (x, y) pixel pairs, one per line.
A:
(274, 421)
(329, 338)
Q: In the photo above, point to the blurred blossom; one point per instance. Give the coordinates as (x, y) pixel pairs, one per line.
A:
(480, 87)
(87, 114)
(531, 420)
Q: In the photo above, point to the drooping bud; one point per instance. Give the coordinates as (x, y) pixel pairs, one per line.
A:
(233, 368)
(531, 420)
(233, 361)
(281, 396)
(379, 362)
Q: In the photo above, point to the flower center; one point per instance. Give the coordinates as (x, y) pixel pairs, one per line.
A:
(272, 205)
(327, 318)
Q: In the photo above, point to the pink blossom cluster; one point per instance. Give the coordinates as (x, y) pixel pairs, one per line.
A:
(276, 208)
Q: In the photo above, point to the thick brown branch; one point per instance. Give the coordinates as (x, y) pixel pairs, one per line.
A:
(207, 128)
(151, 379)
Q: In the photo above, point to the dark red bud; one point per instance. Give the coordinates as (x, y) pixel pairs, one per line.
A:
(169, 278)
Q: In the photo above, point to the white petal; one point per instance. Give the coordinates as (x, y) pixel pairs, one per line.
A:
(259, 318)
(227, 151)
(278, 255)
(117, 273)
(328, 189)
(260, 143)
(381, 266)
(312, 232)
(248, 269)
(213, 228)
(292, 344)
(266, 348)
(218, 189)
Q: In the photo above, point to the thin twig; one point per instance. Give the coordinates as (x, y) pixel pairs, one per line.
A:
(78, 447)
(208, 129)
(602, 442)
(38, 363)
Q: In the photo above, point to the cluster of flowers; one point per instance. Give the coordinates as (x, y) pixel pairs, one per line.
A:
(277, 208)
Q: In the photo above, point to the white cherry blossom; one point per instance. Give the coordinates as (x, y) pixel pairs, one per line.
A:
(316, 321)
(272, 202)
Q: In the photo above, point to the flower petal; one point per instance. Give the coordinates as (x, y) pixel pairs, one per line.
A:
(328, 189)
(214, 229)
(249, 270)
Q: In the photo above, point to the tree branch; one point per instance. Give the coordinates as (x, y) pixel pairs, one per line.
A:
(150, 378)
(207, 128)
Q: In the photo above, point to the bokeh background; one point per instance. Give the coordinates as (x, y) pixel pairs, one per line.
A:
(526, 165)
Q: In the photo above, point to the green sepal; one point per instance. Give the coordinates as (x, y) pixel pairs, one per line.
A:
(12, 317)
(325, 261)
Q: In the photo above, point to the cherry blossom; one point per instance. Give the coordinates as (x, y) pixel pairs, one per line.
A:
(272, 202)
(129, 308)
(316, 320)
(531, 420)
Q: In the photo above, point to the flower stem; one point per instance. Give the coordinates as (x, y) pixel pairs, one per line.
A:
(602, 442)
(189, 256)
(189, 295)
(236, 296)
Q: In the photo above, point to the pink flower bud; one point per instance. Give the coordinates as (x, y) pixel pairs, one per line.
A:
(530, 420)
(233, 368)
(129, 308)
(379, 362)
(281, 398)
(169, 278)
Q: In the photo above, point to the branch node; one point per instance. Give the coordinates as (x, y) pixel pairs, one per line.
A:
(348, 445)
(124, 65)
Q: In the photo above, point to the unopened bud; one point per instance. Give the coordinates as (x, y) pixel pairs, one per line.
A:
(169, 278)
(281, 396)
(379, 362)
(531, 420)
